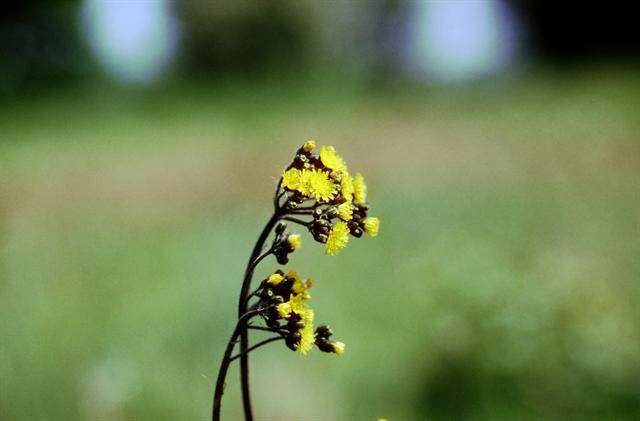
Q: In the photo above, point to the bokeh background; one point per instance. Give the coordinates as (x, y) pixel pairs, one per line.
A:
(139, 146)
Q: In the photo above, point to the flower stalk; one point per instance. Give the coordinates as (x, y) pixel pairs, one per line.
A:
(317, 187)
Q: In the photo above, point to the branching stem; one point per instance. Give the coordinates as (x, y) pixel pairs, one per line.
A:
(226, 360)
(258, 345)
(296, 220)
(241, 330)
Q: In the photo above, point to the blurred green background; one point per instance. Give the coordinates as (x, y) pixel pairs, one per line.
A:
(504, 281)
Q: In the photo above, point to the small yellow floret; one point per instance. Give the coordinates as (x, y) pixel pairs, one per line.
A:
(321, 186)
(292, 274)
(305, 182)
(338, 347)
(309, 145)
(296, 304)
(345, 212)
(307, 337)
(291, 179)
(346, 187)
(275, 279)
(359, 189)
(300, 287)
(284, 309)
(338, 238)
(331, 159)
(371, 226)
(294, 241)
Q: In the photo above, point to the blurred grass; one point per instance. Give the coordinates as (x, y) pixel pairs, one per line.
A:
(504, 283)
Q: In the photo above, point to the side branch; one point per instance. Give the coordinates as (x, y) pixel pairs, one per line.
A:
(242, 308)
(226, 361)
(296, 220)
(258, 345)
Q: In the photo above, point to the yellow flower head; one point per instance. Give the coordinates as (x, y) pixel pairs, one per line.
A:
(300, 334)
(346, 187)
(294, 305)
(321, 186)
(305, 182)
(371, 226)
(359, 189)
(309, 145)
(338, 238)
(331, 159)
(292, 274)
(338, 347)
(284, 309)
(300, 287)
(345, 212)
(294, 241)
(291, 179)
(275, 279)
(307, 337)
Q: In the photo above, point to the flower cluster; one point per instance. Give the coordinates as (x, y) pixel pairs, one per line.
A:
(321, 186)
(333, 206)
(284, 298)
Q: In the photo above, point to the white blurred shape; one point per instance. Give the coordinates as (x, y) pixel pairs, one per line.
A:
(462, 40)
(134, 40)
(107, 387)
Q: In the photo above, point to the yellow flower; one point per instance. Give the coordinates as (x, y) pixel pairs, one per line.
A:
(294, 305)
(371, 226)
(294, 241)
(292, 274)
(346, 187)
(291, 179)
(307, 337)
(359, 189)
(275, 279)
(321, 186)
(331, 159)
(284, 309)
(305, 182)
(309, 145)
(338, 238)
(300, 287)
(338, 347)
(345, 212)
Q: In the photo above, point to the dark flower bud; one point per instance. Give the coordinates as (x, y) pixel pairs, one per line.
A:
(323, 331)
(324, 345)
(280, 228)
(292, 340)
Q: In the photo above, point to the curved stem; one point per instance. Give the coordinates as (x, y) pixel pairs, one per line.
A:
(242, 308)
(311, 208)
(226, 360)
(258, 345)
(241, 328)
(296, 220)
(278, 196)
(255, 292)
(300, 212)
(263, 328)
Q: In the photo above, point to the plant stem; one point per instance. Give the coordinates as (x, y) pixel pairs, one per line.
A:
(241, 328)
(297, 221)
(226, 360)
(258, 345)
(242, 308)
(264, 329)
